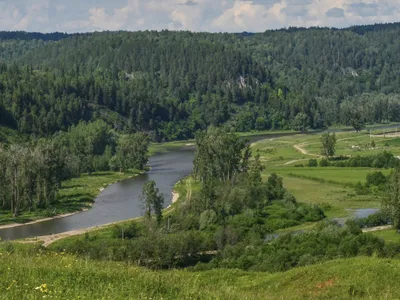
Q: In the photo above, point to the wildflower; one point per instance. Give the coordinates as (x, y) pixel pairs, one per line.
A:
(11, 285)
(42, 288)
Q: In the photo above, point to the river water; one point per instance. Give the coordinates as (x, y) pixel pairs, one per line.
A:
(121, 201)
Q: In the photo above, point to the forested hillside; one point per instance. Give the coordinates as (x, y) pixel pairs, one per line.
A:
(172, 84)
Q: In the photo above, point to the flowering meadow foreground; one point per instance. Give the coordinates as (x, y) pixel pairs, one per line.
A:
(30, 272)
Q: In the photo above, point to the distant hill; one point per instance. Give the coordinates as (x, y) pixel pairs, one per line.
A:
(174, 83)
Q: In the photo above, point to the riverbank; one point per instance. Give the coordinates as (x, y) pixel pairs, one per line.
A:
(47, 240)
(76, 195)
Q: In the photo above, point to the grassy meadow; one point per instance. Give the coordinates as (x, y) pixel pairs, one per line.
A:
(31, 273)
(330, 187)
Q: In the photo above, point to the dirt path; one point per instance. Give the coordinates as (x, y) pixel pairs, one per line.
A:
(378, 228)
(299, 147)
(293, 161)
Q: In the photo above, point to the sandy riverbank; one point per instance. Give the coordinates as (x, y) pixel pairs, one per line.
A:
(41, 220)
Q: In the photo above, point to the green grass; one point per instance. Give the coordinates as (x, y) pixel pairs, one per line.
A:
(389, 235)
(157, 148)
(352, 144)
(334, 199)
(67, 277)
(344, 176)
(75, 195)
(330, 187)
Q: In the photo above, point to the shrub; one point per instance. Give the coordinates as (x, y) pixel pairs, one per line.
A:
(361, 189)
(313, 163)
(376, 219)
(376, 179)
(324, 163)
(129, 231)
(208, 217)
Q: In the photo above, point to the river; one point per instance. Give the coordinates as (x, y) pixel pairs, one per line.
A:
(121, 201)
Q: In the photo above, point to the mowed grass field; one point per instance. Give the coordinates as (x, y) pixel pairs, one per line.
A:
(33, 274)
(344, 176)
(330, 187)
(352, 144)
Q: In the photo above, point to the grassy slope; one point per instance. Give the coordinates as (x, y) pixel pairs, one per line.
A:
(67, 277)
(75, 195)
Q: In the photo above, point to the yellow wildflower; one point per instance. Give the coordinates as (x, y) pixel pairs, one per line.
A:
(42, 288)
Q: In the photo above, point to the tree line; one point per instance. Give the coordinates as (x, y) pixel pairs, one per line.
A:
(32, 173)
(172, 84)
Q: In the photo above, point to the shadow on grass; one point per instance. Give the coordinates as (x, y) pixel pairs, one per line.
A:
(73, 186)
(76, 197)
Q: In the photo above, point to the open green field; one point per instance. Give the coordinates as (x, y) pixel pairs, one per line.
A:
(75, 195)
(33, 274)
(330, 187)
(352, 144)
(334, 199)
(341, 176)
(389, 235)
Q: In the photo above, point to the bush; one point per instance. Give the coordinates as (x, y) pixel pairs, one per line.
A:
(376, 219)
(361, 189)
(324, 163)
(129, 231)
(313, 163)
(376, 179)
(380, 160)
(208, 217)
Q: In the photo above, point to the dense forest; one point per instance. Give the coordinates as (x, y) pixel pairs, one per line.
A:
(171, 84)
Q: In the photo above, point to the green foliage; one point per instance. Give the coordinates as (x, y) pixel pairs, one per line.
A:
(376, 179)
(377, 219)
(208, 217)
(131, 152)
(313, 162)
(328, 141)
(324, 163)
(172, 84)
(152, 201)
(220, 155)
(328, 241)
(300, 122)
(391, 203)
(380, 160)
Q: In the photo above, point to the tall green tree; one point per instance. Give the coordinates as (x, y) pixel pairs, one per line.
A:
(132, 151)
(391, 204)
(328, 144)
(220, 155)
(152, 201)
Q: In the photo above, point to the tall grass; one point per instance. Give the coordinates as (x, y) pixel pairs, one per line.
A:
(36, 274)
